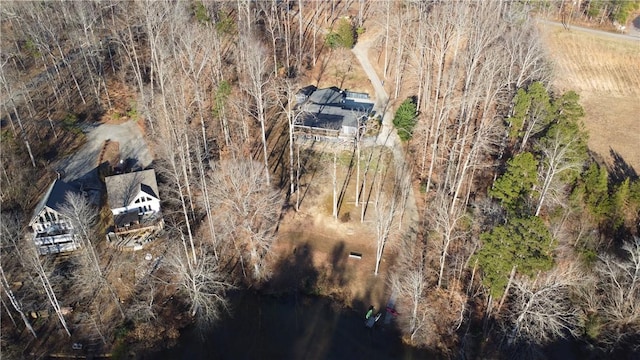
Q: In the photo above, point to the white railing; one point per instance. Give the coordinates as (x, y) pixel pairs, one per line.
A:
(51, 240)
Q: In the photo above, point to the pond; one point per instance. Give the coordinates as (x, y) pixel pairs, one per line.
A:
(291, 327)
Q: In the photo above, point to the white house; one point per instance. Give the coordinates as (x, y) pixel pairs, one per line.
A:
(134, 201)
(52, 232)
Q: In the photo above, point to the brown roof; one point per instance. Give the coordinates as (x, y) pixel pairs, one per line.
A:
(122, 189)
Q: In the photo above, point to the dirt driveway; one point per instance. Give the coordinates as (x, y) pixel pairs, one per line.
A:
(80, 165)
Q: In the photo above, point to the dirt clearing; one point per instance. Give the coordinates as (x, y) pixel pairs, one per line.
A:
(606, 74)
(339, 68)
(314, 248)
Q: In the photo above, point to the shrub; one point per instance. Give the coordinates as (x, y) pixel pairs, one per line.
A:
(70, 123)
(132, 112)
(225, 25)
(344, 35)
(200, 13)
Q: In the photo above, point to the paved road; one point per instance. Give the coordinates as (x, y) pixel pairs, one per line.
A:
(633, 35)
(132, 145)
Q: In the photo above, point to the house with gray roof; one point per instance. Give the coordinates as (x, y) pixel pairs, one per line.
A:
(53, 232)
(134, 202)
(331, 112)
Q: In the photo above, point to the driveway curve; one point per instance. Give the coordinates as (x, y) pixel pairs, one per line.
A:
(387, 136)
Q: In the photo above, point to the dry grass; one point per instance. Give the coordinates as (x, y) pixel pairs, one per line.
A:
(340, 68)
(606, 74)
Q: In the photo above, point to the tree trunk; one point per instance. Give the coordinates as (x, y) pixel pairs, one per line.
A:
(335, 185)
(16, 305)
(506, 290)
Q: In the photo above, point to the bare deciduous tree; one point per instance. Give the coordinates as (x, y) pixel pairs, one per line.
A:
(33, 257)
(17, 306)
(385, 214)
(143, 307)
(387, 210)
(618, 280)
(256, 87)
(247, 211)
(288, 105)
(410, 284)
(541, 309)
(83, 217)
(560, 156)
(202, 283)
(448, 226)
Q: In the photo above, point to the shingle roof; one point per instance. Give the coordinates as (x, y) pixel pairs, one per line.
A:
(327, 96)
(328, 109)
(54, 198)
(122, 189)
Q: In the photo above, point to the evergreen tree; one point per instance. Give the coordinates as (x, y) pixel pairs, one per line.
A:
(593, 190)
(521, 105)
(515, 186)
(532, 113)
(619, 204)
(344, 36)
(568, 107)
(405, 119)
(562, 152)
(523, 242)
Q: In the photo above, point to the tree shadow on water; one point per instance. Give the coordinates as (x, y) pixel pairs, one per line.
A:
(287, 319)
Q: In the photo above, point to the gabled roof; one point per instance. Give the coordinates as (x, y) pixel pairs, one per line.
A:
(54, 198)
(122, 189)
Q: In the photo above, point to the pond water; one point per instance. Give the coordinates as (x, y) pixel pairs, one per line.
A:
(291, 327)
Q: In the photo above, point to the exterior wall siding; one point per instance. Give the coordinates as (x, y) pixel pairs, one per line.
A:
(153, 205)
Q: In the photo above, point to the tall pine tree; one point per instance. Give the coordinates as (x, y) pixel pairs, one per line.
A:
(523, 242)
(513, 189)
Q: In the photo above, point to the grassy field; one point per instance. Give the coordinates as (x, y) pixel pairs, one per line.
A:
(606, 74)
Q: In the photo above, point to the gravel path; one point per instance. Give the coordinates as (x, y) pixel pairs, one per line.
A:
(388, 137)
(80, 165)
(632, 35)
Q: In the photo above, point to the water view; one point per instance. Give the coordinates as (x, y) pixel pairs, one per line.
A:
(292, 327)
